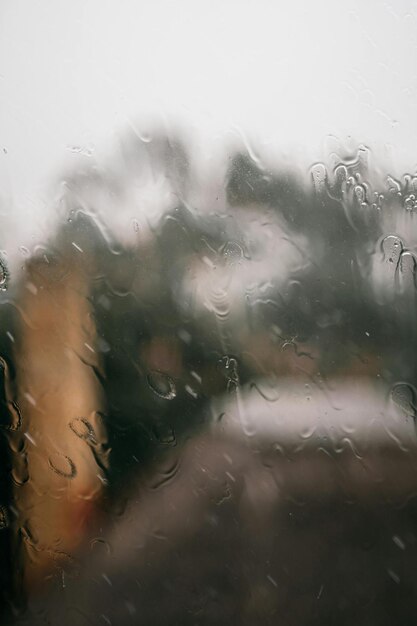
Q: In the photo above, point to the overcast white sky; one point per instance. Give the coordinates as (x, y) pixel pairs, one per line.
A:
(73, 72)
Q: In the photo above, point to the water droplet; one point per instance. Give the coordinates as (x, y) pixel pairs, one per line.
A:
(229, 367)
(62, 465)
(407, 270)
(4, 518)
(15, 415)
(81, 427)
(410, 202)
(360, 193)
(166, 435)
(162, 384)
(233, 252)
(319, 176)
(145, 137)
(394, 186)
(392, 247)
(404, 396)
(4, 275)
(100, 546)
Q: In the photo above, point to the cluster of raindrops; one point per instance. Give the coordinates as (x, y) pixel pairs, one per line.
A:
(229, 368)
(410, 202)
(405, 191)
(378, 201)
(350, 182)
(399, 278)
(345, 182)
(84, 430)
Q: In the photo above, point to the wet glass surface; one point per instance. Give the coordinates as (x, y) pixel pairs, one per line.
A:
(208, 380)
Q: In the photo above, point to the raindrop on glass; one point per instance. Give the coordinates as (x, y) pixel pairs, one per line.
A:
(162, 384)
(404, 397)
(81, 427)
(4, 275)
(4, 518)
(62, 465)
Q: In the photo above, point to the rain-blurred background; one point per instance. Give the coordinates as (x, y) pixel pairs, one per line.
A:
(286, 75)
(208, 312)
